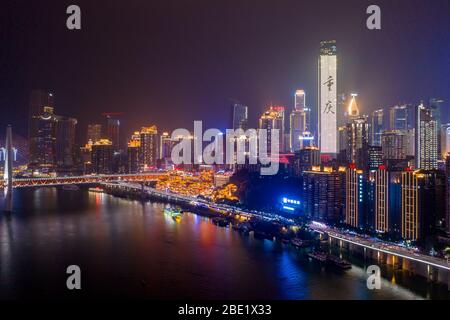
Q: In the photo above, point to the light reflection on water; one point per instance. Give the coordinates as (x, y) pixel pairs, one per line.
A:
(126, 248)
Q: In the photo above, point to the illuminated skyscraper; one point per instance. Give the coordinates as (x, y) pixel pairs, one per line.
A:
(94, 132)
(378, 126)
(447, 195)
(113, 129)
(436, 106)
(382, 200)
(327, 98)
(149, 147)
(240, 116)
(165, 146)
(41, 129)
(426, 145)
(354, 196)
(423, 204)
(102, 157)
(358, 141)
(133, 158)
(445, 140)
(393, 144)
(300, 132)
(65, 142)
(273, 118)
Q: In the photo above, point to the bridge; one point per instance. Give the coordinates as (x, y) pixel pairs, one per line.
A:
(85, 179)
(9, 183)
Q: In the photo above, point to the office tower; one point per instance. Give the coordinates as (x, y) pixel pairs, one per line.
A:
(65, 142)
(342, 145)
(40, 129)
(133, 158)
(300, 131)
(305, 159)
(393, 144)
(375, 157)
(426, 145)
(381, 200)
(240, 116)
(42, 143)
(273, 118)
(387, 202)
(378, 126)
(401, 117)
(149, 147)
(94, 132)
(358, 141)
(445, 140)
(422, 203)
(436, 107)
(323, 193)
(327, 98)
(354, 196)
(112, 128)
(165, 146)
(447, 195)
(102, 157)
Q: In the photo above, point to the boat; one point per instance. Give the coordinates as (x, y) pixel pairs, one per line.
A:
(338, 262)
(221, 222)
(174, 213)
(243, 227)
(298, 243)
(96, 189)
(318, 256)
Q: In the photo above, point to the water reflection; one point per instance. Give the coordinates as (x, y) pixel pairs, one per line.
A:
(128, 248)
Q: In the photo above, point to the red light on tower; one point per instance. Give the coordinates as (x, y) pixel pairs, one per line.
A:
(382, 167)
(352, 166)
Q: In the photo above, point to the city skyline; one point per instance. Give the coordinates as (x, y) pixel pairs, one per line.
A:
(359, 69)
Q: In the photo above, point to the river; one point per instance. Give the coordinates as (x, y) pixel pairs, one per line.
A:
(130, 249)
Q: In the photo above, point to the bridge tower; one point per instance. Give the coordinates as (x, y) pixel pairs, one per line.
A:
(8, 172)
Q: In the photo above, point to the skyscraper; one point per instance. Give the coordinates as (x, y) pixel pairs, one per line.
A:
(378, 126)
(382, 200)
(327, 98)
(102, 157)
(271, 119)
(165, 146)
(240, 116)
(426, 145)
(358, 141)
(445, 140)
(65, 142)
(300, 132)
(94, 132)
(447, 195)
(393, 143)
(133, 158)
(41, 129)
(113, 129)
(354, 196)
(149, 147)
(436, 106)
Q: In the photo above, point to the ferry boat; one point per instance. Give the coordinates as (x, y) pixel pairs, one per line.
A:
(338, 262)
(318, 256)
(175, 214)
(298, 243)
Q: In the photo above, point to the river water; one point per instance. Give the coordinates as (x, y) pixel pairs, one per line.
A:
(130, 249)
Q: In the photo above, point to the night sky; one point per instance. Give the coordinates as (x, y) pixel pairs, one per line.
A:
(172, 62)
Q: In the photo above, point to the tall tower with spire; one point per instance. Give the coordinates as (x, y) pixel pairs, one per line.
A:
(7, 175)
